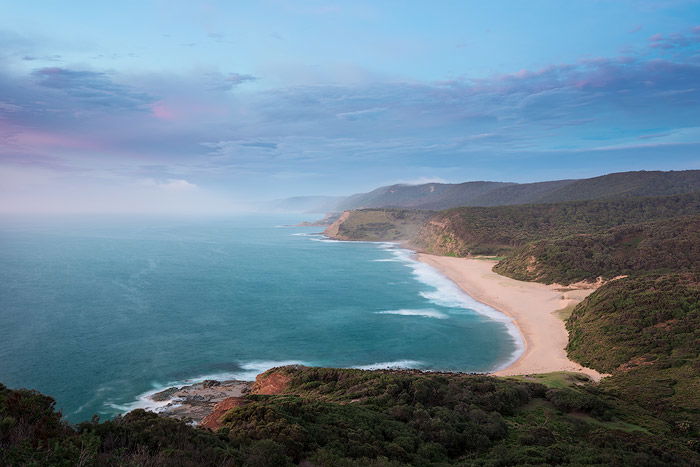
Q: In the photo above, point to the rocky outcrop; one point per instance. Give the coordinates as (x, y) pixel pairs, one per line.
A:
(196, 402)
(333, 230)
(205, 404)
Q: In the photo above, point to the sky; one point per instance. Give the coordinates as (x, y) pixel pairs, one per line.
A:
(213, 106)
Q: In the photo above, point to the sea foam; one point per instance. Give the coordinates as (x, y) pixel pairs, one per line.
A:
(399, 364)
(248, 372)
(426, 313)
(446, 293)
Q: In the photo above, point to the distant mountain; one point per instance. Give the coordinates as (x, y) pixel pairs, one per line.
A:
(426, 196)
(436, 196)
(626, 185)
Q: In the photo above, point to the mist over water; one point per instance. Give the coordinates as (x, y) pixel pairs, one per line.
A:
(97, 312)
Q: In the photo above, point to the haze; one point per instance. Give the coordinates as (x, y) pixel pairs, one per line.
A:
(173, 106)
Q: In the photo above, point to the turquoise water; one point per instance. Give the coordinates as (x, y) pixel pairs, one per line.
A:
(98, 312)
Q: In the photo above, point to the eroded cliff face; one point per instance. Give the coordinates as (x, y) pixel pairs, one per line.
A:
(271, 383)
(213, 421)
(447, 233)
(422, 230)
(438, 236)
(333, 230)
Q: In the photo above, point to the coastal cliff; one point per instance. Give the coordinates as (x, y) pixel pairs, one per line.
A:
(378, 225)
(440, 235)
(333, 230)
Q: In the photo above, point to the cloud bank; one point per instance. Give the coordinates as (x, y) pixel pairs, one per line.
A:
(217, 138)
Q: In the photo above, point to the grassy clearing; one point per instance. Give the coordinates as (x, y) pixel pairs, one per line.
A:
(555, 380)
(565, 312)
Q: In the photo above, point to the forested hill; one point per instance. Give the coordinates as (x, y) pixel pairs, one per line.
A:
(425, 196)
(645, 330)
(627, 185)
(498, 230)
(661, 246)
(437, 196)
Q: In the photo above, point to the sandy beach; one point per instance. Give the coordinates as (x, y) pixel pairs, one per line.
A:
(532, 306)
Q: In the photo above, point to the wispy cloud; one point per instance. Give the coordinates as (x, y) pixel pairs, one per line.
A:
(674, 41)
(93, 89)
(191, 132)
(171, 184)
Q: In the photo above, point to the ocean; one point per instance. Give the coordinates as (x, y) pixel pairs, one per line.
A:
(100, 311)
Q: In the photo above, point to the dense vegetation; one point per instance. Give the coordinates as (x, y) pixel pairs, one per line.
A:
(646, 332)
(498, 230)
(627, 185)
(436, 196)
(33, 433)
(662, 246)
(330, 417)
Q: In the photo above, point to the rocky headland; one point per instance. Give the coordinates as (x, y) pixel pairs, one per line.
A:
(197, 402)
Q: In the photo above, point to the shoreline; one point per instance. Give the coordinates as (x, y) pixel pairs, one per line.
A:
(531, 306)
(195, 403)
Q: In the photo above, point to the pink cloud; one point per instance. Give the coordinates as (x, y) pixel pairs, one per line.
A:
(162, 111)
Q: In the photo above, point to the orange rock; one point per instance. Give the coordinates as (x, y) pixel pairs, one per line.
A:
(270, 384)
(213, 420)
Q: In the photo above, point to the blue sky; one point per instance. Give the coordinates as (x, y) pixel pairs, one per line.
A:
(168, 106)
